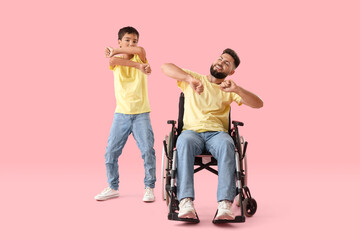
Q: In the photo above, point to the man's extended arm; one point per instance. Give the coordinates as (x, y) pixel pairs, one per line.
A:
(173, 71)
(247, 98)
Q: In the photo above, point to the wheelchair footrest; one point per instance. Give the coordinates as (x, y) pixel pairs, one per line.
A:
(238, 219)
(174, 216)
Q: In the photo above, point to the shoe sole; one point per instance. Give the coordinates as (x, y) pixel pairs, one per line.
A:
(225, 217)
(190, 214)
(106, 198)
(148, 200)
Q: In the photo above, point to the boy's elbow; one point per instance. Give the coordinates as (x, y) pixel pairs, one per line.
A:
(142, 52)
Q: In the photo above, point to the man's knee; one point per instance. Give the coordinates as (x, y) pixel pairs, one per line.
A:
(185, 139)
(227, 143)
(224, 140)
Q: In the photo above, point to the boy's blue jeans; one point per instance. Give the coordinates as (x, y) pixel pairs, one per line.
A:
(222, 148)
(140, 126)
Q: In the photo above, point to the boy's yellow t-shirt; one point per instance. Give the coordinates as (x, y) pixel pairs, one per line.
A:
(208, 111)
(130, 86)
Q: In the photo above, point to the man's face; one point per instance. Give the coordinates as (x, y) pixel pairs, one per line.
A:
(222, 67)
(128, 40)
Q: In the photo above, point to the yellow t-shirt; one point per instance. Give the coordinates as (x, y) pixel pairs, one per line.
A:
(130, 86)
(208, 111)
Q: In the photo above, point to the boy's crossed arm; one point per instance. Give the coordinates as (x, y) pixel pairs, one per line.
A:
(127, 50)
(110, 53)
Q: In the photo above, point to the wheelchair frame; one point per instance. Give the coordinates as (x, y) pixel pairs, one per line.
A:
(243, 197)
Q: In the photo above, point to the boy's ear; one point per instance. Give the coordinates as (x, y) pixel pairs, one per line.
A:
(119, 41)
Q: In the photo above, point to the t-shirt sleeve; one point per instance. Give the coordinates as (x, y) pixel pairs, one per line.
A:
(182, 85)
(236, 98)
(137, 59)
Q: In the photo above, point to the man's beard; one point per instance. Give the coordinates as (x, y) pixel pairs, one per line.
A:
(218, 75)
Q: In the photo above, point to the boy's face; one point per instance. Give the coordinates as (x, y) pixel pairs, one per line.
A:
(128, 40)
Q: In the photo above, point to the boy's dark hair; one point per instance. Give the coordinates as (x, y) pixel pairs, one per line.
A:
(234, 55)
(129, 30)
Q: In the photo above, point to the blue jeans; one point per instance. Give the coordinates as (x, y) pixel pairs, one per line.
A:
(140, 126)
(221, 146)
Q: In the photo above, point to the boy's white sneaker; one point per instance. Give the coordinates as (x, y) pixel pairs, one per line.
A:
(107, 193)
(149, 195)
(186, 209)
(224, 211)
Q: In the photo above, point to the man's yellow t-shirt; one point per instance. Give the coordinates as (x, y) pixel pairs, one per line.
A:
(130, 86)
(208, 111)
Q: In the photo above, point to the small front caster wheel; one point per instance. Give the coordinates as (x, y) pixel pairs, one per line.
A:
(249, 206)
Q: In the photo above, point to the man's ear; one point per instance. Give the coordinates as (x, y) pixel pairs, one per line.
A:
(232, 72)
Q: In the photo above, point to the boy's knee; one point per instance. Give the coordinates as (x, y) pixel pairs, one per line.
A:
(111, 154)
(148, 152)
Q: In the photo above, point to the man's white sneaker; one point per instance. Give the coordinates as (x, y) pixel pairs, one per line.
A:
(224, 211)
(106, 194)
(149, 195)
(186, 209)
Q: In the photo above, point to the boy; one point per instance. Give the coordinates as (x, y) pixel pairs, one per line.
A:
(129, 65)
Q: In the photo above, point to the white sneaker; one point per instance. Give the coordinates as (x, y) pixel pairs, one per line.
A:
(187, 209)
(224, 211)
(149, 195)
(107, 193)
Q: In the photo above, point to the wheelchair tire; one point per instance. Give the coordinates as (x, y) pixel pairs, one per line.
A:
(244, 161)
(163, 171)
(249, 207)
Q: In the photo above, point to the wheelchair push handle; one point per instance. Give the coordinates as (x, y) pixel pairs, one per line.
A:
(236, 123)
(173, 122)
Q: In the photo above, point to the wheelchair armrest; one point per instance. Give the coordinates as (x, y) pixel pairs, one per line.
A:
(236, 123)
(173, 122)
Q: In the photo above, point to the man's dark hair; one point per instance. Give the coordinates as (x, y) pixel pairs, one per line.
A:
(234, 55)
(128, 30)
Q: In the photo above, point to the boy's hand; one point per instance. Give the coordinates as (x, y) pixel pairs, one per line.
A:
(109, 52)
(145, 68)
(228, 86)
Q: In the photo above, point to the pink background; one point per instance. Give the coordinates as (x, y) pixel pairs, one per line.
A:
(57, 103)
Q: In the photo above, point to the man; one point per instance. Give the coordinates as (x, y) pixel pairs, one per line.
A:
(207, 106)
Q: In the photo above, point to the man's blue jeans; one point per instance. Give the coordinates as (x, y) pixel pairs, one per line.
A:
(222, 148)
(140, 126)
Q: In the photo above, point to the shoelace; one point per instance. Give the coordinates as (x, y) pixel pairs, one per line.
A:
(148, 192)
(187, 203)
(225, 204)
(106, 190)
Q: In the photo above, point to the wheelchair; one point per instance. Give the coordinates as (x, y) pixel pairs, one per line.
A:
(243, 198)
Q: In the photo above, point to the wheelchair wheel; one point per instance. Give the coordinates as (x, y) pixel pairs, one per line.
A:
(163, 171)
(249, 207)
(244, 161)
